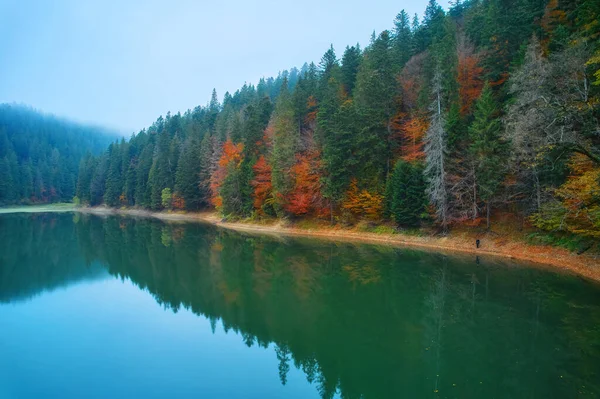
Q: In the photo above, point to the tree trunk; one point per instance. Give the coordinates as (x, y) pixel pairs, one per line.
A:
(331, 212)
(474, 199)
(538, 193)
(487, 205)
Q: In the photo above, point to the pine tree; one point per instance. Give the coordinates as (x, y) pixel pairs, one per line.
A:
(144, 166)
(113, 182)
(349, 68)
(487, 149)
(208, 160)
(402, 40)
(337, 127)
(285, 145)
(187, 177)
(405, 194)
(375, 100)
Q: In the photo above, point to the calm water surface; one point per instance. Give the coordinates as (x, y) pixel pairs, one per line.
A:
(117, 307)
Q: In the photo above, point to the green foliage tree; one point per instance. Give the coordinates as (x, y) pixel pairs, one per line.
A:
(187, 177)
(405, 194)
(166, 198)
(487, 149)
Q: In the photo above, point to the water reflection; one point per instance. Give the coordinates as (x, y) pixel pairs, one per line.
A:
(38, 253)
(360, 321)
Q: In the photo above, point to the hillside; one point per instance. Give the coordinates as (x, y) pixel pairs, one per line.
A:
(491, 106)
(40, 155)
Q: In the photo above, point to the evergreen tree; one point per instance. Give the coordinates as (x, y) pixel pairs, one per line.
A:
(285, 146)
(142, 189)
(187, 178)
(113, 182)
(405, 194)
(402, 39)
(375, 98)
(487, 149)
(336, 127)
(349, 68)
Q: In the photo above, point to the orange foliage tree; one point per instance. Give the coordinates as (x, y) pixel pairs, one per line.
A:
(177, 201)
(411, 80)
(231, 156)
(362, 202)
(553, 16)
(306, 195)
(311, 115)
(412, 131)
(469, 74)
(262, 183)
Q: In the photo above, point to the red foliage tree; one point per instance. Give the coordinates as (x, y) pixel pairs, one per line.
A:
(306, 196)
(177, 202)
(412, 131)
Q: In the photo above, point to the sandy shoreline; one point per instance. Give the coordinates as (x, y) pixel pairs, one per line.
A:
(583, 265)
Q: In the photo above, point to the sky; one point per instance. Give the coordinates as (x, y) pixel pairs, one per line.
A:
(122, 63)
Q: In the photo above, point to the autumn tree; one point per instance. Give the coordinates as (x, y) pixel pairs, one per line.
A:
(305, 197)
(263, 187)
(469, 74)
(575, 207)
(227, 173)
(362, 203)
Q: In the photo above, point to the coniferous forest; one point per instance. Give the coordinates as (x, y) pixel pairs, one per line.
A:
(40, 155)
(490, 107)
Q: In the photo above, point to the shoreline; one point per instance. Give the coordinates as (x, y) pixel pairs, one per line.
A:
(544, 256)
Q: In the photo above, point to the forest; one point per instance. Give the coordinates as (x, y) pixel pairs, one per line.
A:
(40, 155)
(490, 107)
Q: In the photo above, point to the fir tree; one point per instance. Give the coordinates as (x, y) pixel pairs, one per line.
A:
(487, 148)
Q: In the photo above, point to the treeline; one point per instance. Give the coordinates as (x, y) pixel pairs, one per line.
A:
(489, 106)
(40, 154)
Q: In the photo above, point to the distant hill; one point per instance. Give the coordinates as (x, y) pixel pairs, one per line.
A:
(40, 154)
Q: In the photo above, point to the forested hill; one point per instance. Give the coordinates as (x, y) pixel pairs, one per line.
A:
(40, 154)
(489, 107)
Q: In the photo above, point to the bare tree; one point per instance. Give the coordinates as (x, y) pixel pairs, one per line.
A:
(550, 113)
(435, 153)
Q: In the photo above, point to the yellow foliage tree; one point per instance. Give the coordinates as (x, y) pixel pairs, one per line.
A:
(362, 202)
(577, 209)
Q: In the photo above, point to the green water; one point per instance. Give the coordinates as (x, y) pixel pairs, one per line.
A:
(115, 307)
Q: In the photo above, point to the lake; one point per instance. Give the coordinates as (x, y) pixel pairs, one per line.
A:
(116, 307)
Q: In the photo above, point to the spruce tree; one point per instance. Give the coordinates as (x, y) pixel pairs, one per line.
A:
(487, 148)
(349, 68)
(402, 40)
(405, 194)
(187, 177)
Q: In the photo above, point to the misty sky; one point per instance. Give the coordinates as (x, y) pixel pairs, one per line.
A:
(123, 63)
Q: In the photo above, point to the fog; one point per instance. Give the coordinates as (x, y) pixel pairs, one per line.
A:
(123, 63)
